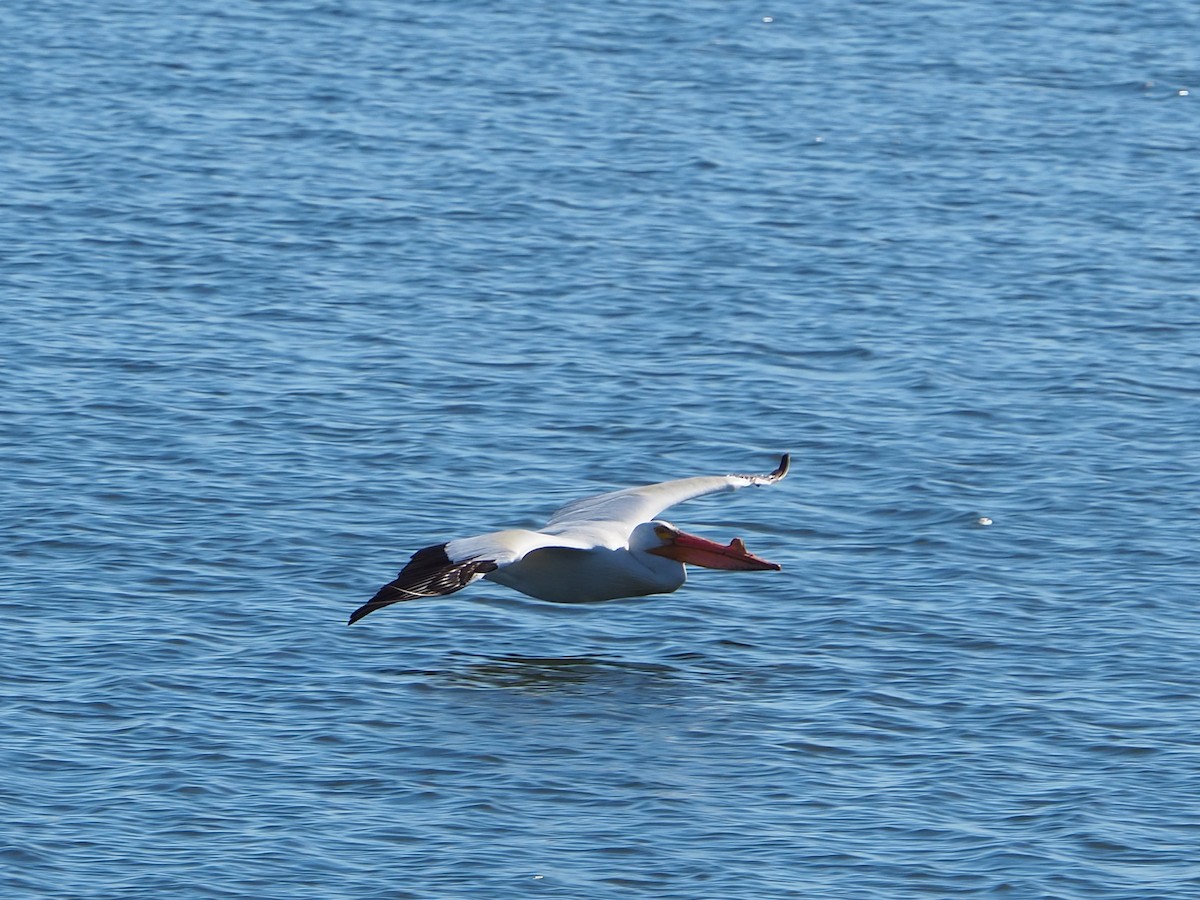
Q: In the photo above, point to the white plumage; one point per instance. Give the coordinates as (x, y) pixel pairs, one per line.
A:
(598, 548)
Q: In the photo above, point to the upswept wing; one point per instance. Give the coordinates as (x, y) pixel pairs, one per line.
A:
(619, 512)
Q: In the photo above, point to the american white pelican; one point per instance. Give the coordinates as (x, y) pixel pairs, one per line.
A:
(598, 548)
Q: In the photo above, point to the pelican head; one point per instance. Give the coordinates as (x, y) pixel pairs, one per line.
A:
(663, 539)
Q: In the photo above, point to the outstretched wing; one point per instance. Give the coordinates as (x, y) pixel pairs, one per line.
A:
(445, 568)
(430, 573)
(622, 511)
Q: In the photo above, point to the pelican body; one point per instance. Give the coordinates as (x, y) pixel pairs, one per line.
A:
(598, 548)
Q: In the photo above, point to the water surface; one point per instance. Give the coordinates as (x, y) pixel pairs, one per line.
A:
(294, 289)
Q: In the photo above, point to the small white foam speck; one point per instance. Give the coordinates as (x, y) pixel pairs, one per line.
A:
(983, 520)
(768, 19)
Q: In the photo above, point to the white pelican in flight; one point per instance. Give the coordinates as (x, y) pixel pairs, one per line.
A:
(598, 548)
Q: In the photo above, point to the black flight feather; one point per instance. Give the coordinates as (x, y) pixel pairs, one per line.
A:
(430, 573)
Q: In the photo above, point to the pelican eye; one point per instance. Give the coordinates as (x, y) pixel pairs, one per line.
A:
(663, 532)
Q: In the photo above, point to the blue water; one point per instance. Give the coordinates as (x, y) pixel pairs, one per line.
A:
(293, 289)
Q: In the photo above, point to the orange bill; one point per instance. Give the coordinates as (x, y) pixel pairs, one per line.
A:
(698, 551)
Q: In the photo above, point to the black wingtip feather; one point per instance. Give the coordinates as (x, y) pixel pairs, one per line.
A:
(785, 463)
(381, 599)
(430, 573)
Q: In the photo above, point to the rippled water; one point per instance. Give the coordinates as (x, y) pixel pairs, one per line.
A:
(294, 289)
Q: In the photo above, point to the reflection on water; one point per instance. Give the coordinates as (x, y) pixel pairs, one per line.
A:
(538, 673)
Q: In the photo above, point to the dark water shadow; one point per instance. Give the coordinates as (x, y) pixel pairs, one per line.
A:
(539, 673)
